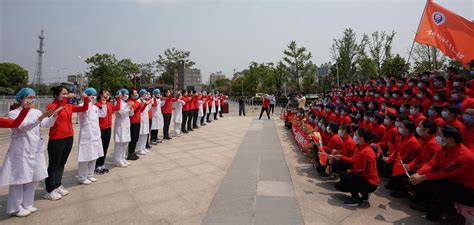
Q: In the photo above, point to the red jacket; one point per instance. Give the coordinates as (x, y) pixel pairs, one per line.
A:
(106, 122)
(222, 100)
(467, 103)
(186, 103)
(9, 123)
(462, 129)
(454, 164)
(196, 102)
(137, 111)
(428, 149)
(363, 163)
(265, 103)
(389, 137)
(167, 108)
(62, 128)
(409, 147)
(349, 146)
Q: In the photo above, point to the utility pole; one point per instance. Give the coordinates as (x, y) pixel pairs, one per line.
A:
(37, 79)
(433, 55)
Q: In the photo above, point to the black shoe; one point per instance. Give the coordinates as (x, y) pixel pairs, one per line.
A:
(167, 138)
(190, 130)
(365, 197)
(353, 202)
(184, 132)
(390, 186)
(148, 147)
(195, 127)
(456, 220)
(98, 172)
(208, 121)
(399, 194)
(159, 141)
(203, 124)
(130, 157)
(105, 170)
(434, 213)
(154, 142)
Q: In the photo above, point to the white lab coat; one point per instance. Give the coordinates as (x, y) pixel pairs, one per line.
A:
(90, 143)
(145, 121)
(157, 117)
(201, 109)
(213, 105)
(178, 111)
(122, 123)
(24, 161)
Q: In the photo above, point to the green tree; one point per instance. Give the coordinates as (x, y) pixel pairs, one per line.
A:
(12, 75)
(167, 63)
(347, 53)
(423, 58)
(296, 59)
(105, 71)
(394, 66)
(367, 68)
(281, 75)
(380, 48)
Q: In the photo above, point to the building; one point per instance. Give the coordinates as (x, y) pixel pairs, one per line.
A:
(192, 79)
(238, 74)
(216, 76)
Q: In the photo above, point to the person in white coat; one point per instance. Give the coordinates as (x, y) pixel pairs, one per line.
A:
(200, 109)
(90, 142)
(24, 165)
(178, 114)
(122, 129)
(157, 117)
(144, 123)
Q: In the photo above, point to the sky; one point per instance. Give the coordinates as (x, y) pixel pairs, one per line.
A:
(222, 35)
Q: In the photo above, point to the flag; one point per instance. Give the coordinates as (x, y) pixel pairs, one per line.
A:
(398, 167)
(449, 32)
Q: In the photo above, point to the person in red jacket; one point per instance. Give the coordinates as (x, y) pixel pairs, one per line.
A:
(195, 110)
(265, 106)
(222, 102)
(60, 141)
(348, 148)
(362, 179)
(416, 114)
(167, 110)
(447, 178)
(190, 103)
(468, 118)
(450, 117)
(105, 125)
(185, 112)
(138, 107)
(461, 100)
(334, 145)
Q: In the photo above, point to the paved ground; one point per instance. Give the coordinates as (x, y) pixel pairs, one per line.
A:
(238, 170)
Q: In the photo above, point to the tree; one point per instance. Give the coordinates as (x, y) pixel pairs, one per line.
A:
(146, 73)
(105, 71)
(394, 66)
(423, 58)
(347, 53)
(281, 75)
(167, 63)
(12, 75)
(367, 68)
(380, 48)
(296, 60)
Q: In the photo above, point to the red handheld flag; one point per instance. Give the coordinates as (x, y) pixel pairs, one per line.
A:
(398, 167)
(449, 32)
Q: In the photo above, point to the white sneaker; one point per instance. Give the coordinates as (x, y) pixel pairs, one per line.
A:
(32, 209)
(93, 179)
(121, 164)
(86, 182)
(147, 151)
(53, 196)
(22, 212)
(127, 162)
(62, 191)
(141, 152)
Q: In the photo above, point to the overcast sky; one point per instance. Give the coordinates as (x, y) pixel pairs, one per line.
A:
(222, 35)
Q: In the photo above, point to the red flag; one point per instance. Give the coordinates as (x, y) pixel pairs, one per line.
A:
(449, 32)
(398, 167)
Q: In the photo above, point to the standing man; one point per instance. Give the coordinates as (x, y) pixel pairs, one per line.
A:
(265, 105)
(301, 101)
(272, 103)
(138, 108)
(241, 106)
(185, 112)
(190, 102)
(167, 109)
(221, 104)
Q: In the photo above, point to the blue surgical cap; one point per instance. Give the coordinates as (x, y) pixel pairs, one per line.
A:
(156, 91)
(90, 91)
(124, 91)
(24, 92)
(142, 92)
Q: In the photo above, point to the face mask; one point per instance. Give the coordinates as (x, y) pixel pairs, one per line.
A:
(444, 114)
(359, 116)
(366, 118)
(418, 131)
(397, 124)
(359, 105)
(356, 139)
(372, 119)
(419, 85)
(440, 141)
(341, 133)
(125, 98)
(406, 96)
(395, 96)
(467, 118)
(343, 113)
(371, 106)
(402, 109)
(456, 84)
(328, 129)
(371, 94)
(338, 102)
(401, 131)
(400, 84)
(411, 84)
(436, 83)
(383, 108)
(337, 111)
(454, 97)
(436, 98)
(431, 112)
(472, 73)
(420, 95)
(386, 122)
(413, 111)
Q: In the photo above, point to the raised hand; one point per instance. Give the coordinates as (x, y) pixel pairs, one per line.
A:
(55, 113)
(48, 113)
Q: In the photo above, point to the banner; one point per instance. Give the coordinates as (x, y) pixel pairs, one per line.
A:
(300, 137)
(449, 32)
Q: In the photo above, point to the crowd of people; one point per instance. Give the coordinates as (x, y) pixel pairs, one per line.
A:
(138, 118)
(416, 131)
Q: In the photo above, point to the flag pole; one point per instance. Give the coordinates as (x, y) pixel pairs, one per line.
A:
(414, 39)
